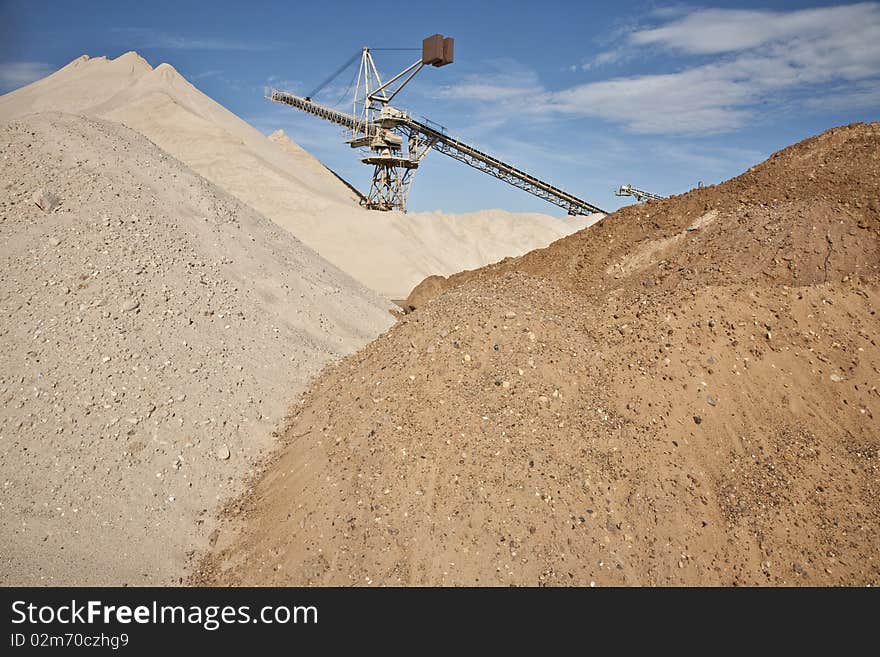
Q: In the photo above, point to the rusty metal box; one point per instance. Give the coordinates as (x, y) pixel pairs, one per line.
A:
(432, 49)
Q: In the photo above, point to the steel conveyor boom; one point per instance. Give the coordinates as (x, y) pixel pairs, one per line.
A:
(503, 171)
(440, 141)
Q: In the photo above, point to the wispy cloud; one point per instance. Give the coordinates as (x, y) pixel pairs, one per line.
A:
(843, 97)
(502, 81)
(136, 37)
(713, 31)
(204, 75)
(748, 64)
(760, 58)
(17, 74)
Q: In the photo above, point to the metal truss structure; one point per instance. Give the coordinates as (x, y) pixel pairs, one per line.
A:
(638, 194)
(397, 143)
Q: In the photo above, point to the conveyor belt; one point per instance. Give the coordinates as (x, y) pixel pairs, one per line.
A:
(453, 148)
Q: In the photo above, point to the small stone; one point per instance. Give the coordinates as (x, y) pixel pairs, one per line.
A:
(698, 419)
(836, 378)
(505, 384)
(509, 314)
(105, 359)
(543, 399)
(46, 200)
(55, 241)
(712, 401)
(467, 358)
(223, 453)
(130, 304)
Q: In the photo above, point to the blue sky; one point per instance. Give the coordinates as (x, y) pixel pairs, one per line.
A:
(588, 95)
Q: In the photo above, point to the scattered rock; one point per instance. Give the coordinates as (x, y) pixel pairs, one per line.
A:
(223, 453)
(698, 419)
(46, 200)
(129, 304)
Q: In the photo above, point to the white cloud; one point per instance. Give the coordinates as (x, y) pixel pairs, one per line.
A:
(732, 68)
(712, 31)
(17, 74)
(603, 59)
(508, 81)
(213, 73)
(761, 58)
(861, 96)
(695, 101)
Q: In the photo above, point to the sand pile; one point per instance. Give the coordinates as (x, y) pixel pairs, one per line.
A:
(685, 393)
(153, 330)
(280, 180)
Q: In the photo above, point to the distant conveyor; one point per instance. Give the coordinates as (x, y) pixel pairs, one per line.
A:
(438, 140)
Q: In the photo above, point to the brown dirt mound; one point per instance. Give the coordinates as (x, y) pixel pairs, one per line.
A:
(683, 394)
(798, 218)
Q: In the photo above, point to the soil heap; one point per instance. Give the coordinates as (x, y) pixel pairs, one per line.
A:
(685, 393)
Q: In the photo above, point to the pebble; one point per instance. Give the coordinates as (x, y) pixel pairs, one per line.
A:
(698, 419)
(712, 401)
(836, 378)
(55, 241)
(129, 304)
(223, 453)
(509, 314)
(46, 200)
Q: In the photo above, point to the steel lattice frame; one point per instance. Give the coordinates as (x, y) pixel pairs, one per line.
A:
(398, 143)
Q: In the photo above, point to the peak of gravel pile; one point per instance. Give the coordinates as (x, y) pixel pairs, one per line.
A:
(685, 393)
(153, 330)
